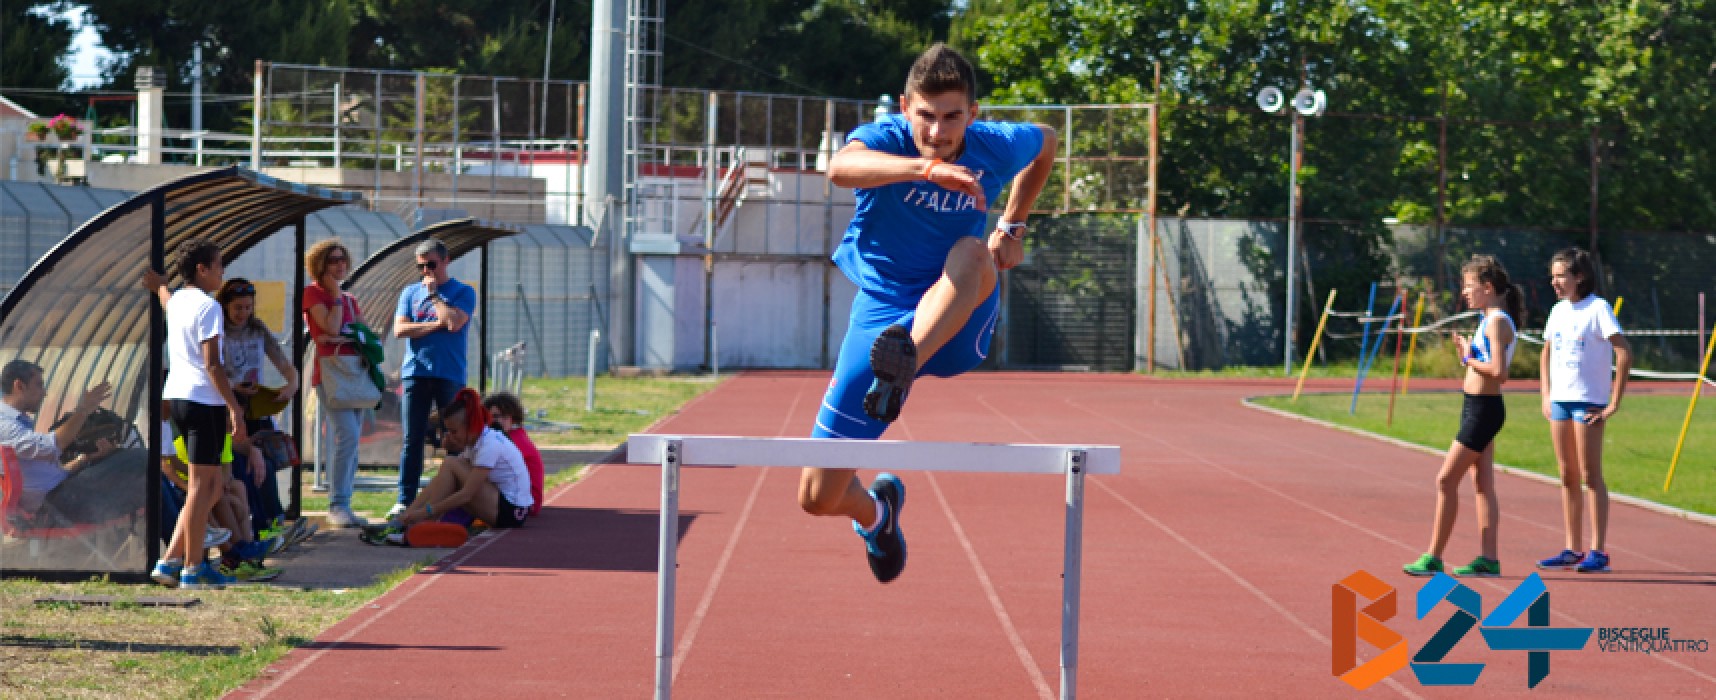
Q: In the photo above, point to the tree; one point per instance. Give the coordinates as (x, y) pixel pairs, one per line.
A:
(32, 42)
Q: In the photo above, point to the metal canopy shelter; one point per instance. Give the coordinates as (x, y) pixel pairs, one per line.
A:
(81, 314)
(377, 282)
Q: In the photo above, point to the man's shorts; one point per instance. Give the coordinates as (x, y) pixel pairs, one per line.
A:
(1579, 411)
(204, 429)
(842, 414)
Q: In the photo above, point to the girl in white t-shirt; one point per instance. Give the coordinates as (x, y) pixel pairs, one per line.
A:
(202, 406)
(1581, 341)
(487, 478)
(1486, 356)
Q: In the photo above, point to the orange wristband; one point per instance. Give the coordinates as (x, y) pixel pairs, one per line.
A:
(933, 162)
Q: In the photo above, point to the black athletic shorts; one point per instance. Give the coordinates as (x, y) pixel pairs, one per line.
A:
(203, 427)
(507, 514)
(1480, 419)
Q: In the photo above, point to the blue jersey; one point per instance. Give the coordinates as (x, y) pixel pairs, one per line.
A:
(440, 354)
(900, 234)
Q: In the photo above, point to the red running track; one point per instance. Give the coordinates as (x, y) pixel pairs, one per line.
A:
(1207, 568)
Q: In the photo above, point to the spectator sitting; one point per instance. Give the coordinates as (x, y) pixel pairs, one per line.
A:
(248, 342)
(22, 391)
(508, 414)
(488, 479)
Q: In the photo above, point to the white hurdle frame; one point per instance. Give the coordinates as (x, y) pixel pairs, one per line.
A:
(675, 451)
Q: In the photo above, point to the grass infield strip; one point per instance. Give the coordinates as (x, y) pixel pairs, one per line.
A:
(1545, 474)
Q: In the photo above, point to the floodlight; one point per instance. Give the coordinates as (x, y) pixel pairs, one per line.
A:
(1270, 99)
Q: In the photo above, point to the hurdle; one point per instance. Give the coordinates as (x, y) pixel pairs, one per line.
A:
(675, 451)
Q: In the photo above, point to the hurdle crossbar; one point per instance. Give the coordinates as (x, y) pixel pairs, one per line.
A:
(675, 451)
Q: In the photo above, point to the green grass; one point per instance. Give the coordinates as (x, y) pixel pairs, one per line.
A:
(129, 651)
(1637, 444)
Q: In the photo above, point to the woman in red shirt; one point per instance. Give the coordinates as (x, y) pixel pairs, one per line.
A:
(327, 310)
(508, 413)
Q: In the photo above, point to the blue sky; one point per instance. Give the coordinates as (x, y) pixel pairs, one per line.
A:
(86, 51)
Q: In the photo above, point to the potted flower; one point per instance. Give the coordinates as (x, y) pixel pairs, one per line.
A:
(63, 127)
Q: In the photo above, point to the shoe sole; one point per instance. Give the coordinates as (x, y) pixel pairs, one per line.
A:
(894, 361)
(170, 581)
(1420, 573)
(896, 506)
(1592, 571)
(1476, 574)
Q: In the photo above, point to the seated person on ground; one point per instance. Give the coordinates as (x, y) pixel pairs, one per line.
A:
(488, 479)
(508, 413)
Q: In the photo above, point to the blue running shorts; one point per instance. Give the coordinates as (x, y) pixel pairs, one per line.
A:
(842, 414)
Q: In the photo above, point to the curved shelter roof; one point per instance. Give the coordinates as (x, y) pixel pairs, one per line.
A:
(81, 314)
(376, 282)
(80, 311)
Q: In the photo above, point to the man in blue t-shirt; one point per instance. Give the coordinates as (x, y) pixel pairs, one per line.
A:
(926, 272)
(433, 317)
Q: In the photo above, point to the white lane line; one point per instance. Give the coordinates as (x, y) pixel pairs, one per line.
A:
(1206, 556)
(708, 598)
(1043, 691)
(1485, 582)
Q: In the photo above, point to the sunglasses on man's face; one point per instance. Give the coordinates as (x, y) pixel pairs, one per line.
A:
(337, 259)
(428, 266)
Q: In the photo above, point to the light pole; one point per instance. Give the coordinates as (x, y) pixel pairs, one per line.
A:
(1307, 103)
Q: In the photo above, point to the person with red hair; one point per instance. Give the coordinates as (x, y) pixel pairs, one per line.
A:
(484, 474)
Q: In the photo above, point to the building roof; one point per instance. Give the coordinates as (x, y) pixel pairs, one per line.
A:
(10, 109)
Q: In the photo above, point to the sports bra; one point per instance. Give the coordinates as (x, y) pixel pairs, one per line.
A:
(1481, 340)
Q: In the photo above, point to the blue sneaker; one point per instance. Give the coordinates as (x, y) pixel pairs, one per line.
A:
(1595, 562)
(1567, 559)
(204, 577)
(884, 544)
(166, 572)
(894, 360)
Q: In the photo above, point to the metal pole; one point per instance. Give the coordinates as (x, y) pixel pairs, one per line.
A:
(1150, 216)
(1070, 570)
(337, 126)
(257, 112)
(483, 333)
(710, 168)
(1292, 245)
(300, 343)
(1066, 139)
(714, 350)
(197, 98)
(417, 146)
(666, 565)
(590, 370)
(547, 54)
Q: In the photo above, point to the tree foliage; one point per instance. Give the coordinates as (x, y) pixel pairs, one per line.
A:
(32, 43)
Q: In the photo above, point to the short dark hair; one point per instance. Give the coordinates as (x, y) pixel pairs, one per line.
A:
(1578, 263)
(194, 252)
(502, 403)
(17, 371)
(432, 245)
(940, 69)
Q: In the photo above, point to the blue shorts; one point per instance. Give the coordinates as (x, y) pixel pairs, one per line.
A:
(842, 414)
(1574, 410)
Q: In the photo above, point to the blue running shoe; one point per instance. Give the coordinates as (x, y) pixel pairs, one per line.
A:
(1567, 559)
(885, 545)
(1595, 562)
(166, 572)
(204, 577)
(894, 360)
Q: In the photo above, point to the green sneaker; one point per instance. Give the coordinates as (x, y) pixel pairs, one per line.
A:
(252, 572)
(1425, 566)
(1480, 566)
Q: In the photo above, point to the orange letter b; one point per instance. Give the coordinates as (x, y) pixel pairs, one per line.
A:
(1350, 626)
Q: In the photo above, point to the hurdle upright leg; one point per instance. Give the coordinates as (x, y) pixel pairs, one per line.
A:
(1071, 567)
(667, 563)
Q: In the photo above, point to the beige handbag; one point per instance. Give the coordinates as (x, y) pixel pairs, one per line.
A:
(346, 383)
(345, 378)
